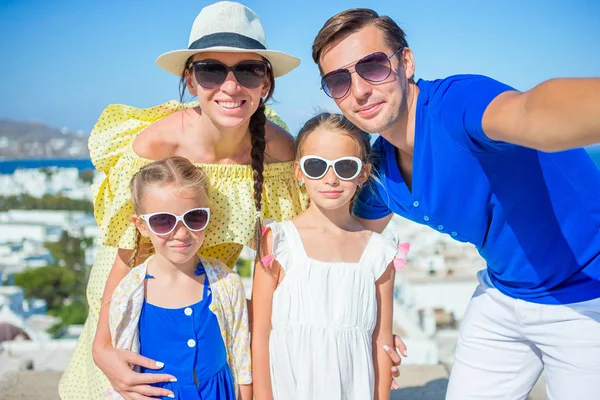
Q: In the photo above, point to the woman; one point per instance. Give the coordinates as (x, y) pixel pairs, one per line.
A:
(246, 158)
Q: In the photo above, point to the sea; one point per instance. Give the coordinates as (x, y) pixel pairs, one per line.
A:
(9, 166)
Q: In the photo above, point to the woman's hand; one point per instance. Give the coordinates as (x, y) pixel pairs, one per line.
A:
(118, 366)
(399, 348)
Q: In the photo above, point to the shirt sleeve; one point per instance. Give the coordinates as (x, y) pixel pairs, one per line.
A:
(369, 204)
(463, 101)
(242, 362)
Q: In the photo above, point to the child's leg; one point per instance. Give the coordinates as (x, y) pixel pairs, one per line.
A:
(493, 359)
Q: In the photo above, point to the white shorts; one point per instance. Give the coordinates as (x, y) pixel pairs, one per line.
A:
(504, 344)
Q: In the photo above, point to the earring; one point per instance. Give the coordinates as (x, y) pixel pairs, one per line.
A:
(360, 185)
(300, 183)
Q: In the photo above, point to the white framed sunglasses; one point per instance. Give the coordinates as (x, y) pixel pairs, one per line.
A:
(345, 168)
(163, 223)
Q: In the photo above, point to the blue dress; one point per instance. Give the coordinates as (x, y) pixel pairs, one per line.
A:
(188, 340)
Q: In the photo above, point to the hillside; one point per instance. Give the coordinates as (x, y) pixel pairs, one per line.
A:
(34, 140)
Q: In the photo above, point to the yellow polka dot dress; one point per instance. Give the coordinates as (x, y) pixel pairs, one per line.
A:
(231, 226)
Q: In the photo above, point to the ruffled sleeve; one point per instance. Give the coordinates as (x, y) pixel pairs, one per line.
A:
(119, 124)
(111, 152)
(230, 186)
(281, 248)
(389, 250)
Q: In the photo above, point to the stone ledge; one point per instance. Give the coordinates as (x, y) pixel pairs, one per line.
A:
(416, 383)
(30, 385)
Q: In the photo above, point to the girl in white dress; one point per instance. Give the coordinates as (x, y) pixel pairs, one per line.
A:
(322, 298)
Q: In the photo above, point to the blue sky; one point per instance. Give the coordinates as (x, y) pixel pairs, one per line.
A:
(63, 61)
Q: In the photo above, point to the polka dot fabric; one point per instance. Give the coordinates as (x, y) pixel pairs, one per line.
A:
(231, 226)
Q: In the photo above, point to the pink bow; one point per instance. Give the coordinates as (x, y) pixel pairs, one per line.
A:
(267, 260)
(404, 248)
(400, 262)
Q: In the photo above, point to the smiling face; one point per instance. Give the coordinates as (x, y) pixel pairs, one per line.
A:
(373, 106)
(329, 191)
(229, 104)
(181, 245)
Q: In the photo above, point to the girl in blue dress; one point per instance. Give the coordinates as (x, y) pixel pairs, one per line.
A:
(177, 306)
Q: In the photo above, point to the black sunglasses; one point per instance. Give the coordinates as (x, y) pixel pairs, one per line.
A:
(163, 223)
(210, 73)
(375, 67)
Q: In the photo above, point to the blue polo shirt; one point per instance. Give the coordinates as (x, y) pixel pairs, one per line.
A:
(533, 216)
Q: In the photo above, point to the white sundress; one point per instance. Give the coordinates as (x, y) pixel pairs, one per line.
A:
(323, 318)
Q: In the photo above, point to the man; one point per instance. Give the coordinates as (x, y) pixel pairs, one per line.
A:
(475, 159)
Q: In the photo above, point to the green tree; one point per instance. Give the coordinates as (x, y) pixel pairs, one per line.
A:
(47, 202)
(87, 176)
(74, 313)
(52, 283)
(243, 267)
(68, 251)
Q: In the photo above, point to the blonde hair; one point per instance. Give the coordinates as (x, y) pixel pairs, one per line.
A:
(176, 171)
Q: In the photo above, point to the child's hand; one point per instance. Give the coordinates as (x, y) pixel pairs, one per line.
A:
(399, 349)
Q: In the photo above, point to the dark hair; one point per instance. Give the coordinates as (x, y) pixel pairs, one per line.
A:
(339, 124)
(257, 152)
(350, 21)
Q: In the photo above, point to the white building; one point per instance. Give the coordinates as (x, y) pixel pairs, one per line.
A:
(47, 181)
(13, 297)
(42, 217)
(429, 293)
(18, 257)
(17, 232)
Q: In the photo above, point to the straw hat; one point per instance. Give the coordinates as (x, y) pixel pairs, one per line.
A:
(227, 27)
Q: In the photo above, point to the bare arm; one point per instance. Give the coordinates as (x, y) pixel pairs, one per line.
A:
(116, 364)
(153, 142)
(376, 225)
(382, 335)
(246, 392)
(556, 115)
(281, 145)
(263, 287)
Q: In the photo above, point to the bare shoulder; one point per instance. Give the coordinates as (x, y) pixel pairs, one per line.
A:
(281, 145)
(160, 139)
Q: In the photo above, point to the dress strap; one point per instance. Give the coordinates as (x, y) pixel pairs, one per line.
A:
(206, 291)
(294, 240)
(199, 269)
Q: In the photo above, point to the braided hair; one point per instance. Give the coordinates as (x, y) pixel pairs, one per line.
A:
(257, 152)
